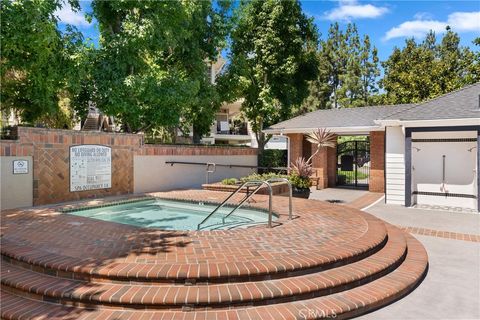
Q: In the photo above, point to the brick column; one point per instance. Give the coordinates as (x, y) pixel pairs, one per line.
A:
(325, 164)
(377, 161)
(296, 146)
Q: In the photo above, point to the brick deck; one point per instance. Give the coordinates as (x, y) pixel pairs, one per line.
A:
(442, 234)
(329, 260)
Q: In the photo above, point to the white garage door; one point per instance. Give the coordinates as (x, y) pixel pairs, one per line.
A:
(444, 169)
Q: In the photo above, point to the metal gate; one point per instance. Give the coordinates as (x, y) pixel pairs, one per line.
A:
(353, 169)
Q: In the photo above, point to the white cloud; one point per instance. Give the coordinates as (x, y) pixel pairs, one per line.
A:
(67, 15)
(458, 21)
(423, 16)
(350, 9)
(465, 21)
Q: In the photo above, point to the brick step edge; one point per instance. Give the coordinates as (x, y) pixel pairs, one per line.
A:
(70, 292)
(72, 268)
(342, 305)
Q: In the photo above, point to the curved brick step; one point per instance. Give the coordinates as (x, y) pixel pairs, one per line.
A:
(345, 304)
(65, 291)
(256, 270)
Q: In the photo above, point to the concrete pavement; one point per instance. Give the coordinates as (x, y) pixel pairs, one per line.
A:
(451, 289)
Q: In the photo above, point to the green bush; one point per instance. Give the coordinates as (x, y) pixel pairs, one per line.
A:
(262, 177)
(296, 181)
(271, 158)
(299, 182)
(230, 181)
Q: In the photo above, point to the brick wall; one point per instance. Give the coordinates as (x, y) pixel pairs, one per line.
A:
(51, 163)
(296, 146)
(377, 161)
(325, 164)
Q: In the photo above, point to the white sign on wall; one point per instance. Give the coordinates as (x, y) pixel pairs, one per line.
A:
(20, 166)
(90, 167)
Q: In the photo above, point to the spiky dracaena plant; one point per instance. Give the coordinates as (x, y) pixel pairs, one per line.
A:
(302, 168)
(322, 138)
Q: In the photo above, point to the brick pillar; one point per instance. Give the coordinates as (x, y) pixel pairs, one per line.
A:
(377, 161)
(296, 146)
(325, 164)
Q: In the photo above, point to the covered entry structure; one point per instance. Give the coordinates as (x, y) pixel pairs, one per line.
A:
(426, 153)
(357, 162)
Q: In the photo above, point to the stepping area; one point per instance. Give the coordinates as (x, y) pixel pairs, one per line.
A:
(328, 261)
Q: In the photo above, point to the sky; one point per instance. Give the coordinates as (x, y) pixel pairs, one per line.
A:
(388, 23)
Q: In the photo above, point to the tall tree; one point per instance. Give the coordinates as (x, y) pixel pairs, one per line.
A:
(348, 71)
(369, 72)
(150, 70)
(421, 71)
(272, 59)
(38, 62)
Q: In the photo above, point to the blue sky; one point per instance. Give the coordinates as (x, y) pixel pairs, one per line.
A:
(388, 23)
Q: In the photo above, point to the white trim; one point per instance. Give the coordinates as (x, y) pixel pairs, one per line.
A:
(429, 123)
(338, 130)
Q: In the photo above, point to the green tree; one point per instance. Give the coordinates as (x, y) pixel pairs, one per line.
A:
(421, 71)
(369, 72)
(272, 59)
(150, 70)
(348, 71)
(37, 61)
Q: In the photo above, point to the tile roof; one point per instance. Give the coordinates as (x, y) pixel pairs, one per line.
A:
(343, 117)
(460, 104)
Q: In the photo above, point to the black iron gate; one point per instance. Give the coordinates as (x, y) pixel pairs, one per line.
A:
(353, 158)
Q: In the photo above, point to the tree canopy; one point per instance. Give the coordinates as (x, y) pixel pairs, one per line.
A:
(420, 71)
(348, 71)
(272, 58)
(150, 70)
(37, 61)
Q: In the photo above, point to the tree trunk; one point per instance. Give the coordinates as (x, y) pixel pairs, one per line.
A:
(197, 137)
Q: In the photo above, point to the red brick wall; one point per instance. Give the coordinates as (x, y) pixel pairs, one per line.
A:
(296, 146)
(325, 164)
(51, 163)
(377, 161)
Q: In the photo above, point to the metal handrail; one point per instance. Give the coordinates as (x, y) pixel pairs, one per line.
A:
(171, 163)
(290, 192)
(270, 192)
(255, 182)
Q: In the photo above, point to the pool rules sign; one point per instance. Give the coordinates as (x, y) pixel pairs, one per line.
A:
(90, 167)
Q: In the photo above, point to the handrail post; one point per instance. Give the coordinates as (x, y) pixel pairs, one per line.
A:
(269, 204)
(213, 165)
(290, 193)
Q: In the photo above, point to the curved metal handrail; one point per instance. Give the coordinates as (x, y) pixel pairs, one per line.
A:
(290, 192)
(255, 182)
(270, 192)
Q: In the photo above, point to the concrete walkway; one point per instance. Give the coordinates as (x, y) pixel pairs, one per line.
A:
(337, 195)
(451, 289)
(431, 219)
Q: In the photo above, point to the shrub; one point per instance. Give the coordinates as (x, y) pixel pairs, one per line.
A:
(230, 181)
(299, 182)
(272, 158)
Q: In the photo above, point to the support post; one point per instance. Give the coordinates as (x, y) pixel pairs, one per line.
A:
(478, 169)
(408, 167)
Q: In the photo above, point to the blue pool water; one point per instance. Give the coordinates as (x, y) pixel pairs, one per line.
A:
(174, 215)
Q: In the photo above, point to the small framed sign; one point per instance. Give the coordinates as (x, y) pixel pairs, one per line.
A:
(20, 166)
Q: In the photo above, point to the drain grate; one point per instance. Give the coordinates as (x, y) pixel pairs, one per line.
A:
(335, 201)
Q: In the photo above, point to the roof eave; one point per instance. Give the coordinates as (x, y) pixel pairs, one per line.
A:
(428, 123)
(360, 130)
